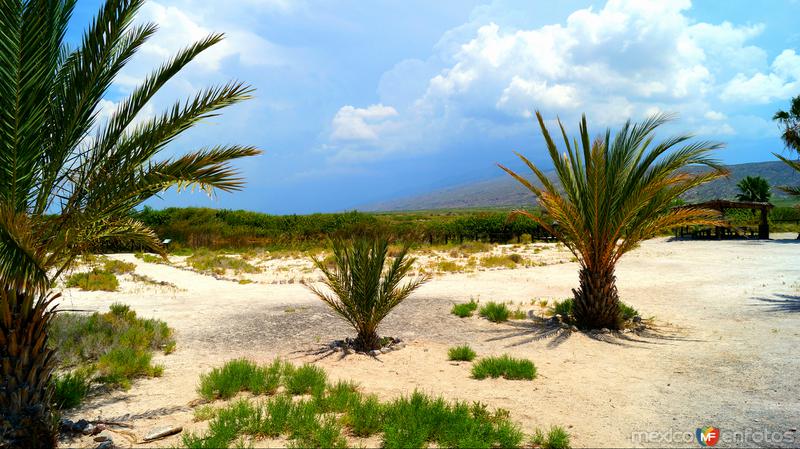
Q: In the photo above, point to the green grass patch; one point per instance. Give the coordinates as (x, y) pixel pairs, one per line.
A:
(495, 312)
(461, 353)
(211, 262)
(112, 348)
(518, 314)
(500, 261)
(95, 280)
(418, 420)
(555, 438)
(505, 367)
(240, 375)
(448, 266)
(118, 267)
(151, 258)
(464, 310)
(307, 379)
(70, 389)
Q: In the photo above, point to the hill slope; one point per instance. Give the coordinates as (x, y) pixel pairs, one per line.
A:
(504, 191)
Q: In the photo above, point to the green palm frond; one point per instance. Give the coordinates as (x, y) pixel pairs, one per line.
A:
(618, 189)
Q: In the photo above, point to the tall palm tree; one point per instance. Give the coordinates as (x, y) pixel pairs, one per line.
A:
(790, 120)
(615, 193)
(753, 188)
(68, 180)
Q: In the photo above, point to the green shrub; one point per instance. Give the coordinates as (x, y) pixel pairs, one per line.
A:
(504, 366)
(516, 258)
(563, 308)
(464, 310)
(70, 389)
(499, 262)
(209, 262)
(118, 266)
(240, 375)
(308, 379)
(151, 258)
(627, 312)
(95, 280)
(556, 438)
(115, 346)
(121, 364)
(518, 314)
(448, 266)
(495, 312)
(461, 353)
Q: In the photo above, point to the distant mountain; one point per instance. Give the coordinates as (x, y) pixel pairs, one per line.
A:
(505, 192)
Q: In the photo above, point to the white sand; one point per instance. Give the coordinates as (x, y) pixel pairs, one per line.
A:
(722, 357)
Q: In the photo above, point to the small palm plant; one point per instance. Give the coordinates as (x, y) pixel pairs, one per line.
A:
(753, 188)
(363, 287)
(615, 193)
(68, 180)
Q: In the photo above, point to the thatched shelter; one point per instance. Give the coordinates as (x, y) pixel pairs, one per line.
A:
(721, 232)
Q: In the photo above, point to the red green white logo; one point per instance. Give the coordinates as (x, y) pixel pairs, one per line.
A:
(707, 436)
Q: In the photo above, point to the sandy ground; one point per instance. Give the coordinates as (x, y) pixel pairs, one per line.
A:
(724, 351)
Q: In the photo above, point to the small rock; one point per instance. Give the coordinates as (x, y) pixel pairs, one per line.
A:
(637, 319)
(88, 430)
(80, 425)
(605, 330)
(564, 326)
(793, 429)
(336, 349)
(66, 425)
(573, 328)
(375, 352)
(386, 350)
(108, 444)
(348, 351)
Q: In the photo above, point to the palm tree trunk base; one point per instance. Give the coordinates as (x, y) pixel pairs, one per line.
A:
(596, 303)
(26, 415)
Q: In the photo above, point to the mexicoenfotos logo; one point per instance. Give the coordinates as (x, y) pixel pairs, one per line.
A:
(707, 436)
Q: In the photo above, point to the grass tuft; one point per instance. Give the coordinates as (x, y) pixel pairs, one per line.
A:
(118, 266)
(505, 367)
(240, 375)
(95, 280)
(308, 379)
(495, 312)
(210, 262)
(70, 389)
(461, 353)
(555, 438)
(464, 310)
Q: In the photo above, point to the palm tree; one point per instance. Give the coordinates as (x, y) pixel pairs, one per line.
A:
(363, 289)
(753, 188)
(69, 180)
(790, 120)
(615, 193)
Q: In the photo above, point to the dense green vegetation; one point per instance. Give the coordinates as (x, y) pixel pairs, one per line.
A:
(462, 353)
(465, 309)
(211, 228)
(324, 413)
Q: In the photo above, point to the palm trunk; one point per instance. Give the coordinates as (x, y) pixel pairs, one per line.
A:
(26, 417)
(368, 341)
(596, 301)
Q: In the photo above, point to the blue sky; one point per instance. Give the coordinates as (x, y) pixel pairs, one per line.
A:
(360, 101)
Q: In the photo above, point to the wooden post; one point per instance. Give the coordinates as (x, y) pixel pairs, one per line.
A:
(763, 227)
